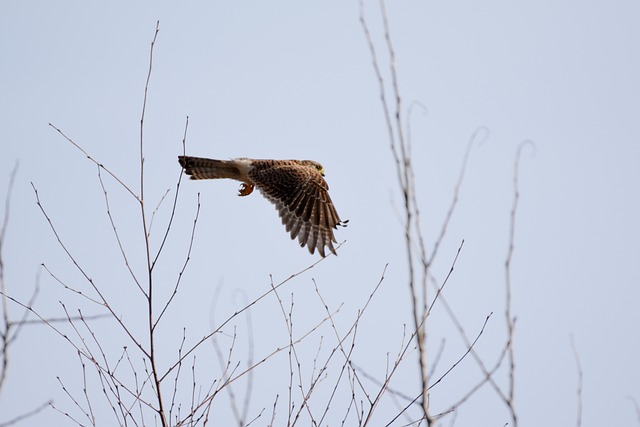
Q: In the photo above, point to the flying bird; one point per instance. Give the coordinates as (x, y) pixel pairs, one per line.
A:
(296, 187)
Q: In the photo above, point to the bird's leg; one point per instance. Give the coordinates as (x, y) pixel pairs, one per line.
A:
(245, 189)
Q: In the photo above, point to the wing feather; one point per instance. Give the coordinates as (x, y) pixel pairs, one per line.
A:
(301, 197)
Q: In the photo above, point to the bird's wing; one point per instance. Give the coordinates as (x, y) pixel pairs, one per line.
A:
(302, 199)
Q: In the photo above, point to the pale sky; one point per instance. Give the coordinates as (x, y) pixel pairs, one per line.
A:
(295, 80)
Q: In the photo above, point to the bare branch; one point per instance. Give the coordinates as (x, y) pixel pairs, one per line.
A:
(100, 165)
(115, 232)
(446, 279)
(175, 202)
(463, 168)
(155, 211)
(5, 333)
(236, 314)
(510, 320)
(184, 266)
(466, 353)
(26, 415)
(579, 390)
(103, 301)
(232, 378)
(147, 244)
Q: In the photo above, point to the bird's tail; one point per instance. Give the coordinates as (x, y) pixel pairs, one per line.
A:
(201, 168)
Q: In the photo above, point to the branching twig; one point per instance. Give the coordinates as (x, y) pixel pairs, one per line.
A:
(150, 302)
(102, 299)
(348, 365)
(401, 154)
(100, 165)
(232, 378)
(175, 199)
(236, 314)
(6, 331)
(115, 232)
(456, 191)
(24, 416)
(184, 266)
(10, 329)
(510, 320)
(464, 355)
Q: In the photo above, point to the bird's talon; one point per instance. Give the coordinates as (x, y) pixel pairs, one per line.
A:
(245, 189)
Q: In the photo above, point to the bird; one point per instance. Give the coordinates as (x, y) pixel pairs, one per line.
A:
(296, 187)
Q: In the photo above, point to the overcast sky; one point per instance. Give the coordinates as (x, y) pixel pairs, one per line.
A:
(294, 80)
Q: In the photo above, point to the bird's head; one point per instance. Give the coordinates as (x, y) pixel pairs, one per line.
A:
(317, 166)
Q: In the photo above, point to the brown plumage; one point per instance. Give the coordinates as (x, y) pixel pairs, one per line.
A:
(296, 187)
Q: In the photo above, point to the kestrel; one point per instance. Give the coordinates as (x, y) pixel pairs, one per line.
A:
(296, 187)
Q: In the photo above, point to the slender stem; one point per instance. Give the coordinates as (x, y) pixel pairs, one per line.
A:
(152, 359)
(509, 318)
(5, 335)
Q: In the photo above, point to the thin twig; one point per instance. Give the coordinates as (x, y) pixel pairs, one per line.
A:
(5, 333)
(446, 280)
(466, 353)
(175, 201)
(456, 191)
(347, 353)
(184, 265)
(236, 314)
(115, 232)
(460, 359)
(100, 165)
(579, 389)
(232, 378)
(155, 211)
(509, 319)
(103, 301)
(150, 302)
(401, 153)
(64, 319)
(26, 415)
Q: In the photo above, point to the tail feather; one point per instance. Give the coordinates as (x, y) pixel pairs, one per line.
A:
(202, 168)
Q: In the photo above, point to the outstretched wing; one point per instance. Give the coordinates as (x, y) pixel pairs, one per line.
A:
(302, 199)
